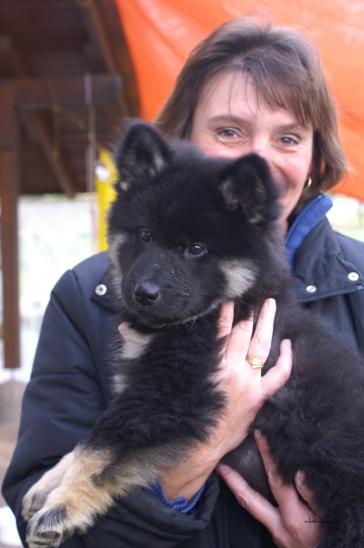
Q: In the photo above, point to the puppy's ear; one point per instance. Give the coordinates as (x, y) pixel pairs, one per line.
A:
(142, 153)
(247, 187)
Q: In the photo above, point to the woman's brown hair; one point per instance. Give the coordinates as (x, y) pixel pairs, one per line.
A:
(286, 71)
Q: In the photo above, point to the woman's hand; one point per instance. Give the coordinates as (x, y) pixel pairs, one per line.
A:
(245, 391)
(244, 387)
(293, 524)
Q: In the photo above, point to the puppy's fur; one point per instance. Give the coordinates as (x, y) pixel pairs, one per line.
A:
(188, 233)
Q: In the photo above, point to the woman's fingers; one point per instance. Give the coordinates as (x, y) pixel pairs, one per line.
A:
(242, 385)
(305, 492)
(280, 490)
(226, 319)
(244, 343)
(261, 341)
(239, 341)
(299, 525)
(291, 524)
(278, 375)
(251, 500)
(237, 338)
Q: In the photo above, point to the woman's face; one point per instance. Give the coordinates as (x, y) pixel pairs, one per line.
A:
(231, 120)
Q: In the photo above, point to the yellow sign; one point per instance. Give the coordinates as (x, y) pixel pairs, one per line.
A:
(105, 177)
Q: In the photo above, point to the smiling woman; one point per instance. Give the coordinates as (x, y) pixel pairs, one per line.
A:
(243, 69)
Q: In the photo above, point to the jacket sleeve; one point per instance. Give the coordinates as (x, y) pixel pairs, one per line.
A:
(61, 404)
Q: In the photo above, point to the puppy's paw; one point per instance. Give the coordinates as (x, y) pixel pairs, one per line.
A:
(48, 528)
(33, 501)
(37, 497)
(38, 494)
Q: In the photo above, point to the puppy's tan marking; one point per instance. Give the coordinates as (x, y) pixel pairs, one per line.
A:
(239, 275)
(134, 342)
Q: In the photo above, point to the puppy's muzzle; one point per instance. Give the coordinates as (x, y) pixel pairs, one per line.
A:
(147, 293)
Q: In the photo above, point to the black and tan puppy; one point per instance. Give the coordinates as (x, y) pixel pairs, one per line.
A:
(187, 233)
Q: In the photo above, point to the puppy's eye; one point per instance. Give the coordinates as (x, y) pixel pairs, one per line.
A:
(196, 249)
(145, 235)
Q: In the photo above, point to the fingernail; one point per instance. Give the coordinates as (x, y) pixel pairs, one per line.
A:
(271, 303)
(286, 349)
(300, 478)
(223, 468)
(287, 344)
(261, 440)
(258, 435)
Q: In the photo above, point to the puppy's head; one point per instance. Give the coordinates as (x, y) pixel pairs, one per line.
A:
(187, 232)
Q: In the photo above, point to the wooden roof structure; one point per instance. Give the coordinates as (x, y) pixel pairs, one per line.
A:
(52, 48)
(66, 79)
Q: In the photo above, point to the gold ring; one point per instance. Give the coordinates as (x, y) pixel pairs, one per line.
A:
(255, 363)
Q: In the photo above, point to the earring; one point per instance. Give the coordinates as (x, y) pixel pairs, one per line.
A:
(308, 183)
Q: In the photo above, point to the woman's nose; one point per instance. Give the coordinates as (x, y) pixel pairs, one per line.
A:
(265, 154)
(261, 147)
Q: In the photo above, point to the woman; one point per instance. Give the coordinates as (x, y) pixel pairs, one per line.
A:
(245, 88)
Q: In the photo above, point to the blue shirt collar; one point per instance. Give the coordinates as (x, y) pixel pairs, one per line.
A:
(309, 216)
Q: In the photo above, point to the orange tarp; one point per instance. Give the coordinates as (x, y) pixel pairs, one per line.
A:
(161, 33)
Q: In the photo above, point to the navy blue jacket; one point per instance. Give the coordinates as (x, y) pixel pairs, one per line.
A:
(71, 385)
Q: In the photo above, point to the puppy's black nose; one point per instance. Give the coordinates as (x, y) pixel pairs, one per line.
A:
(146, 293)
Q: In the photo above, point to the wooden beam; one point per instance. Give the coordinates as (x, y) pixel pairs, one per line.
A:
(16, 61)
(9, 190)
(39, 131)
(32, 94)
(35, 125)
(41, 93)
(101, 42)
(97, 33)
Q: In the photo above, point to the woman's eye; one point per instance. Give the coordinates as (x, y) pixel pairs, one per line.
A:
(228, 133)
(289, 140)
(145, 235)
(196, 249)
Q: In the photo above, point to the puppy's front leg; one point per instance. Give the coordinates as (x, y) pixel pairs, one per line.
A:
(88, 488)
(73, 504)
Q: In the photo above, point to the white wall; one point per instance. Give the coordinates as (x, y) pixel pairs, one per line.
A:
(55, 233)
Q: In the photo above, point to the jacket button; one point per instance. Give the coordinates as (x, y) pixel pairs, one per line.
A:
(100, 290)
(311, 289)
(353, 276)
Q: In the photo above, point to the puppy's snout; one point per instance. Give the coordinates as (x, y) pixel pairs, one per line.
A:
(147, 293)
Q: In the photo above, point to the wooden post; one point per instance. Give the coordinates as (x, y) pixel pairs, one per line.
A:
(9, 190)
(31, 94)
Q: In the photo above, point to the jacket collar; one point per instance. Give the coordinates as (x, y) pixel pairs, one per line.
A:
(309, 216)
(320, 269)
